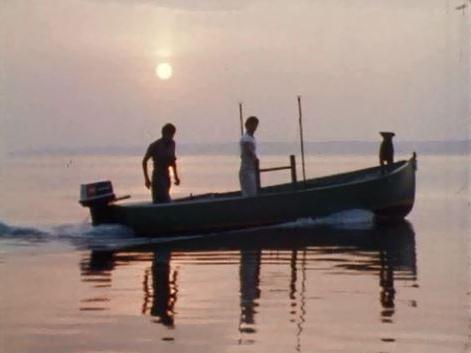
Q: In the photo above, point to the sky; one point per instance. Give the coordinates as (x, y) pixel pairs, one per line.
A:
(81, 73)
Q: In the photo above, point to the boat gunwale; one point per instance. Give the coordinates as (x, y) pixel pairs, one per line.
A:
(402, 164)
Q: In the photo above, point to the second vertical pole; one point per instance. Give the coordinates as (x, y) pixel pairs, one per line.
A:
(241, 118)
(301, 136)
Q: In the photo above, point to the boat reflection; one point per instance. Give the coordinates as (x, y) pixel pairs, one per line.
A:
(386, 251)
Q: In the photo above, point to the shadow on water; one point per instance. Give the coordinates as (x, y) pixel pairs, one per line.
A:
(387, 251)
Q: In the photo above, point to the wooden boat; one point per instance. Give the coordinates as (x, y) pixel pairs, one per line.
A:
(387, 191)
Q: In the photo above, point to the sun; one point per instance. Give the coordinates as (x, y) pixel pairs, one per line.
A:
(164, 71)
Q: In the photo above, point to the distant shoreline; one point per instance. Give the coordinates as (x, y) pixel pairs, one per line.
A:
(268, 148)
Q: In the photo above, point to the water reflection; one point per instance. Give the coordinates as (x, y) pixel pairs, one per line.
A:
(385, 251)
(397, 259)
(97, 271)
(164, 289)
(249, 273)
(301, 298)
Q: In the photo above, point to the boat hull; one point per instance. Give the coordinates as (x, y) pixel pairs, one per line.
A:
(388, 193)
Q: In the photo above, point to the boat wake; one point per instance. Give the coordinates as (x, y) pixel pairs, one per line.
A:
(12, 231)
(80, 235)
(351, 219)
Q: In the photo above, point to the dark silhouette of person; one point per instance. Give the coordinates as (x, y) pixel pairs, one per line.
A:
(162, 153)
(386, 150)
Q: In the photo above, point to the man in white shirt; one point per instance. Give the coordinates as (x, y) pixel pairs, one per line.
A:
(248, 159)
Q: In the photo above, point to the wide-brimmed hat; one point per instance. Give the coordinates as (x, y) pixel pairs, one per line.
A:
(387, 134)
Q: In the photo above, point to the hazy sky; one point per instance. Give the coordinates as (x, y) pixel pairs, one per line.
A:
(82, 72)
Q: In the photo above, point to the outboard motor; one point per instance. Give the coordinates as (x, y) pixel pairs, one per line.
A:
(97, 196)
(96, 193)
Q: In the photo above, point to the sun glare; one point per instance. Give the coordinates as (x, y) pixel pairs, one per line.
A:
(164, 71)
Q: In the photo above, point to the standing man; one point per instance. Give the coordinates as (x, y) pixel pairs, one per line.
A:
(162, 153)
(248, 159)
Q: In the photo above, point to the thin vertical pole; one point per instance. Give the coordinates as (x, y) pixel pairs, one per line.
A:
(301, 136)
(292, 162)
(241, 118)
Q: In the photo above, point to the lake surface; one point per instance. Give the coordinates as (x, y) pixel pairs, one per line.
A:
(337, 284)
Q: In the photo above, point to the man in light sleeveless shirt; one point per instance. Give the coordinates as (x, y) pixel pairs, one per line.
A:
(248, 159)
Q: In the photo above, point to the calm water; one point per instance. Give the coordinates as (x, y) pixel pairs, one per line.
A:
(338, 284)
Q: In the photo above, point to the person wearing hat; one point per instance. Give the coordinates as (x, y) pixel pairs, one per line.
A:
(386, 150)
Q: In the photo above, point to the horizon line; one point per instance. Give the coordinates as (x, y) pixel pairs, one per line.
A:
(442, 144)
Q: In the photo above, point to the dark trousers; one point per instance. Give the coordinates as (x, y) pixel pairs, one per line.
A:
(160, 188)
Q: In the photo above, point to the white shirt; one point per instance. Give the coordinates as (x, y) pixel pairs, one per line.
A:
(247, 144)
